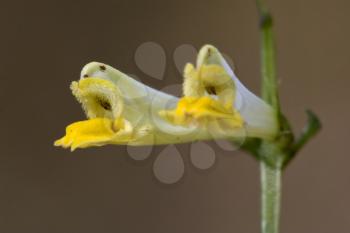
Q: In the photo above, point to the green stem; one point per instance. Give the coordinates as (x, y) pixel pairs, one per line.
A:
(276, 154)
(270, 197)
(271, 159)
(268, 59)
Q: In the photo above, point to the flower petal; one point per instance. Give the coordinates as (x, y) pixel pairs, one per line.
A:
(258, 115)
(95, 132)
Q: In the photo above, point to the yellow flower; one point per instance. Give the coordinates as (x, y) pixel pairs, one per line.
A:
(121, 110)
(95, 132)
(209, 99)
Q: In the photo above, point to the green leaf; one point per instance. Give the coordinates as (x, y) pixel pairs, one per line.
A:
(313, 126)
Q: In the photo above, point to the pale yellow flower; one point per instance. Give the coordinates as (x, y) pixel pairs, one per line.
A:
(121, 110)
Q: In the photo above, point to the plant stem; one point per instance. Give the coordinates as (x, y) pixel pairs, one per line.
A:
(268, 59)
(274, 155)
(270, 156)
(270, 197)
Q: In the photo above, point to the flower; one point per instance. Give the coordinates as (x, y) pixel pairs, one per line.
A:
(121, 110)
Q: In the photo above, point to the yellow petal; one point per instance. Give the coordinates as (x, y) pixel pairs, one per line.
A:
(219, 83)
(94, 132)
(209, 80)
(203, 111)
(100, 98)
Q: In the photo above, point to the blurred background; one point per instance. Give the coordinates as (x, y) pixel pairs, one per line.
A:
(44, 189)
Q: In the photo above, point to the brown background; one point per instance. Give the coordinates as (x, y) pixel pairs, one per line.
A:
(44, 189)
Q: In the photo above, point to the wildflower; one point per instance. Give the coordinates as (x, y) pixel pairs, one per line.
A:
(121, 110)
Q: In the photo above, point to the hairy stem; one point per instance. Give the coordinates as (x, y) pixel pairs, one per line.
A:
(270, 197)
(271, 165)
(268, 59)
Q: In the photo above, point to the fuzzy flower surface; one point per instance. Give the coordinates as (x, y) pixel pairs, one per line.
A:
(121, 110)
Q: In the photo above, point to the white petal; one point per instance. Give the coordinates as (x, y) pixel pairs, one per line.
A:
(259, 116)
(144, 112)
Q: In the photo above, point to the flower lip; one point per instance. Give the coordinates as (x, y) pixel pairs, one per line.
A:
(258, 115)
(98, 97)
(203, 111)
(95, 132)
(209, 95)
(209, 80)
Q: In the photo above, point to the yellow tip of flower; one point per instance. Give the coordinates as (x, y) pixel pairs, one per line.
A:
(203, 111)
(94, 132)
